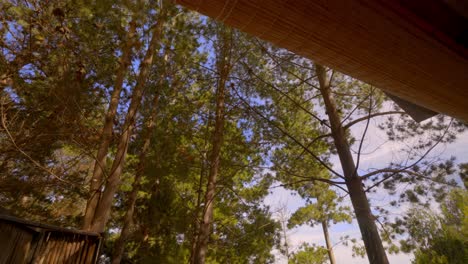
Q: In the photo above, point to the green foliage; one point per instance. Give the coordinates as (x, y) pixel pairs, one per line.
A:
(309, 254)
(324, 209)
(438, 238)
(53, 62)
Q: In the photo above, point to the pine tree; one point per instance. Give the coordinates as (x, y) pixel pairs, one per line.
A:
(345, 103)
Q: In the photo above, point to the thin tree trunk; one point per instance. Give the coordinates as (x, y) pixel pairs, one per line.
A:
(285, 235)
(127, 221)
(331, 255)
(205, 226)
(105, 204)
(100, 162)
(196, 226)
(370, 234)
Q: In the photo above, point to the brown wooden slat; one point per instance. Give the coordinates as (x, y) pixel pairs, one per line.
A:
(20, 248)
(11, 248)
(60, 249)
(69, 249)
(5, 233)
(66, 256)
(38, 248)
(76, 243)
(51, 256)
(89, 250)
(80, 253)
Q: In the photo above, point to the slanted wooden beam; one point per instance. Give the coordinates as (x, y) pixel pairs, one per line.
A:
(386, 43)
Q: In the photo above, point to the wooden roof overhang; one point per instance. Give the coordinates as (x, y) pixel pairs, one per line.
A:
(415, 50)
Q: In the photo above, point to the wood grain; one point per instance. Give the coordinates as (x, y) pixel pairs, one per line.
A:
(368, 40)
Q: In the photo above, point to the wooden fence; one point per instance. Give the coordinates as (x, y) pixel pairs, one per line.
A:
(23, 241)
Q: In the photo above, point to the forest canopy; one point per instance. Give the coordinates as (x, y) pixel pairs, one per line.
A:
(167, 132)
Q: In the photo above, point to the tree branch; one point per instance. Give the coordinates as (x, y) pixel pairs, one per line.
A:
(2, 114)
(409, 172)
(404, 169)
(311, 143)
(284, 94)
(364, 134)
(305, 180)
(351, 123)
(287, 134)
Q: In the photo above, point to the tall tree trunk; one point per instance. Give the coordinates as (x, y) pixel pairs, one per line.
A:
(103, 209)
(331, 255)
(285, 236)
(196, 220)
(100, 162)
(207, 217)
(127, 220)
(370, 234)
